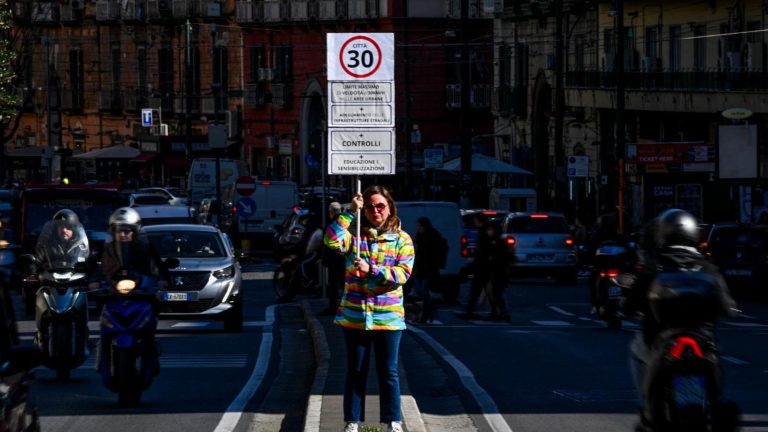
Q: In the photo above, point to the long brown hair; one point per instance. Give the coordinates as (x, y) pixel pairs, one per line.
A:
(393, 222)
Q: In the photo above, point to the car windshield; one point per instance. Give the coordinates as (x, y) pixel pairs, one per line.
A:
(187, 244)
(538, 225)
(483, 217)
(726, 238)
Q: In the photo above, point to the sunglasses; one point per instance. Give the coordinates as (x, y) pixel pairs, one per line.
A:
(379, 207)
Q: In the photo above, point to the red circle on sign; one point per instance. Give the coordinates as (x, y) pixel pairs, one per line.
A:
(363, 75)
(245, 185)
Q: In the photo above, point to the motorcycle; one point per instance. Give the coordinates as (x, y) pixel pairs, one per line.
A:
(610, 259)
(296, 274)
(682, 384)
(128, 356)
(61, 315)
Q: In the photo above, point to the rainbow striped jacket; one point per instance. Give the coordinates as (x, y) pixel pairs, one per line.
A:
(373, 302)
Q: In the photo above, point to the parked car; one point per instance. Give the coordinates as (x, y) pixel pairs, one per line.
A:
(473, 220)
(166, 214)
(741, 253)
(174, 195)
(542, 245)
(289, 232)
(145, 198)
(207, 284)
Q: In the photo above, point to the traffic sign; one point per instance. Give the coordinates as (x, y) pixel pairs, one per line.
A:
(246, 208)
(362, 163)
(356, 140)
(355, 56)
(578, 166)
(362, 115)
(245, 185)
(361, 92)
(146, 117)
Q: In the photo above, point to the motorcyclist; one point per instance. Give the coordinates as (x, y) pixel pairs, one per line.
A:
(126, 251)
(62, 242)
(673, 236)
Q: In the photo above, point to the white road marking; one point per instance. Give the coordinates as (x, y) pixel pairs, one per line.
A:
(487, 405)
(734, 360)
(190, 324)
(553, 323)
(235, 409)
(746, 325)
(560, 311)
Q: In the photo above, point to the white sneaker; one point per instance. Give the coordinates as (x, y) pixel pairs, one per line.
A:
(394, 427)
(350, 427)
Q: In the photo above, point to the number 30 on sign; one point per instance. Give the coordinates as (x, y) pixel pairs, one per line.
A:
(359, 56)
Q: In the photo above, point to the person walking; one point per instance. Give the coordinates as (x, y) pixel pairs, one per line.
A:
(492, 259)
(335, 266)
(371, 312)
(430, 257)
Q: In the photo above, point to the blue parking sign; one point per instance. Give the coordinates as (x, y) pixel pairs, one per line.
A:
(146, 117)
(246, 207)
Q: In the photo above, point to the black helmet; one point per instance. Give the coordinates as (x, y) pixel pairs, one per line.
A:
(67, 216)
(677, 227)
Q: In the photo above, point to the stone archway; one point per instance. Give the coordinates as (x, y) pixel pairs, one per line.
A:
(311, 120)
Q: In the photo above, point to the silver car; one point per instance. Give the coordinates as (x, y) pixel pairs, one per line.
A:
(207, 284)
(542, 245)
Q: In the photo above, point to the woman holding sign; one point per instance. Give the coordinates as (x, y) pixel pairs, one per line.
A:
(379, 259)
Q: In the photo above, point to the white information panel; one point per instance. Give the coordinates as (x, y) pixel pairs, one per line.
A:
(361, 103)
(361, 140)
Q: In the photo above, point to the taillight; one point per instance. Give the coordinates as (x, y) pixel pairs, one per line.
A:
(539, 216)
(610, 273)
(511, 241)
(569, 241)
(463, 240)
(685, 344)
(464, 252)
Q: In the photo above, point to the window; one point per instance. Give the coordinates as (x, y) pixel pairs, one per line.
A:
(652, 41)
(283, 64)
(674, 48)
(165, 76)
(578, 54)
(141, 59)
(76, 79)
(505, 72)
(756, 35)
(700, 48)
(257, 60)
(220, 78)
(115, 63)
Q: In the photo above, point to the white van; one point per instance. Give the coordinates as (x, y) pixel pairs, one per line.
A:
(446, 218)
(512, 199)
(202, 177)
(269, 204)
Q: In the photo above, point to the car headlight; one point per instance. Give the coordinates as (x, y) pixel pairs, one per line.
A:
(125, 286)
(225, 273)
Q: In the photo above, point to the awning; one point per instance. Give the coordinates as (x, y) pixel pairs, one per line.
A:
(175, 161)
(144, 157)
(114, 152)
(483, 163)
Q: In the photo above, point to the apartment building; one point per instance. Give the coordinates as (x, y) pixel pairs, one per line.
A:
(694, 102)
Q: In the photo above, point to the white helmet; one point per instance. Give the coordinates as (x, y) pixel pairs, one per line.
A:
(125, 217)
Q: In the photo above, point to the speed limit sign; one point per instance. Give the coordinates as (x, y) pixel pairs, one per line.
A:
(361, 56)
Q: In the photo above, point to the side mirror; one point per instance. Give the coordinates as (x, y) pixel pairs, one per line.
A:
(171, 263)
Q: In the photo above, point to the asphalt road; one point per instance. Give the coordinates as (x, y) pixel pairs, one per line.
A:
(552, 368)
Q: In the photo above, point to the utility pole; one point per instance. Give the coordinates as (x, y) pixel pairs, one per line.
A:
(49, 123)
(466, 123)
(188, 79)
(407, 81)
(216, 101)
(559, 107)
(620, 127)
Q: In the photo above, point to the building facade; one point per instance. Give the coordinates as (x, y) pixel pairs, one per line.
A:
(693, 106)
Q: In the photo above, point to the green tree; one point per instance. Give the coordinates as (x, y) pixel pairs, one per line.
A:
(8, 100)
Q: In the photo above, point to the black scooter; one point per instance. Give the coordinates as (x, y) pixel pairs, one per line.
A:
(61, 314)
(610, 259)
(682, 385)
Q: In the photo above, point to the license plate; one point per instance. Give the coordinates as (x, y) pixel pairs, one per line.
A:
(179, 296)
(737, 272)
(690, 390)
(614, 291)
(540, 258)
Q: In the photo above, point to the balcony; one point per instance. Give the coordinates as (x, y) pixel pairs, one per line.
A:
(135, 11)
(107, 11)
(479, 96)
(45, 12)
(183, 9)
(276, 11)
(332, 10)
(300, 10)
(71, 13)
(159, 9)
(249, 12)
(254, 95)
(476, 9)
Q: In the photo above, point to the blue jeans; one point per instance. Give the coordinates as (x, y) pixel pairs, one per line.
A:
(386, 345)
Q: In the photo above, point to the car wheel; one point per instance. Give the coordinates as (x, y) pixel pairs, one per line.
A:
(233, 321)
